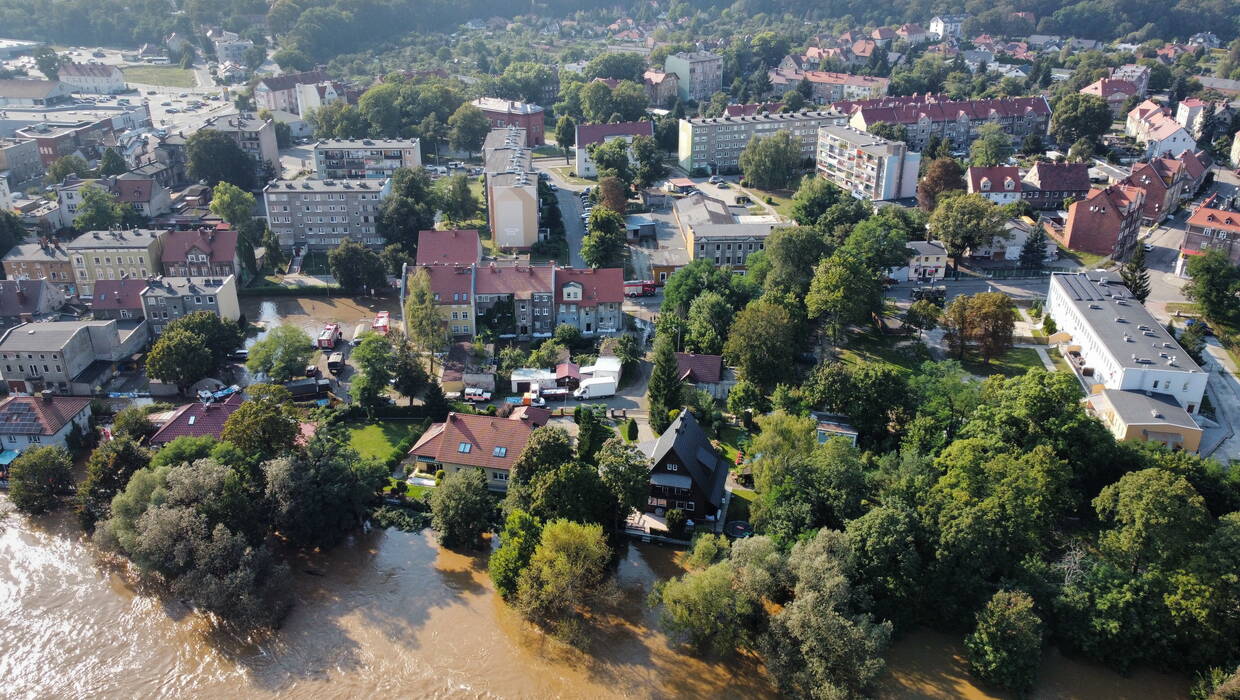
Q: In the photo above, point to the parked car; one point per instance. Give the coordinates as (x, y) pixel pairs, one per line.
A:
(715, 180)
(553, 187)
(473, 394)
(312, 370)
(239, 355)
(1147, 247)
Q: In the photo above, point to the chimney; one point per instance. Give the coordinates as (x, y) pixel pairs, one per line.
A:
(46, 395)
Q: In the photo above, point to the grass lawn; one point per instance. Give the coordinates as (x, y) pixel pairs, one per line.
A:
(315, 263)
(170, 76)
(729, 442)
(780, 199)
(1087, 260)
(548, 150)
(1186, 308)
(412, 491)
(1057, 357)
(1014, 363)
(742, 499)
(378, 440)
(564, 170)
(872, 347)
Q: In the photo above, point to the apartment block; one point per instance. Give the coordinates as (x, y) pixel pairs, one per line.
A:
(114, 255)
(957, 121)
(279, 93)
(320, 214)
(96, 78)
(715, 143)
(19, 160)
(1106, 222)
(828, 87)
(41, 260)
(1212, 226)
(504, 114)
(365, 159)
(868, 166)
(595, 134)
(166, 299)
(511, 188)
(1000, 184)
(255, 136)
(699, 74)
(67, 357)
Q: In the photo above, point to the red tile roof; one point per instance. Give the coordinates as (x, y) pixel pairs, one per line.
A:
(1206, 216)
(449, 280)
(1196, 164)
(50, 414)
(908, 110)
(997, 176)
(493, 443)
(598, 286)
(596, 133)
(118, 294)
(535, 416)
(752, 108)
(197, 420)
(567, 370)
(518, 280)
(1148, 178)
(706, 369)
(134, 191)
(461, 247)
(1106, 87)
(1060, 177)
(220, 244)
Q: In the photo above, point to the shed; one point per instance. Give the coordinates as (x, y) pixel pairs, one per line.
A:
(529, 379)
(639, 227)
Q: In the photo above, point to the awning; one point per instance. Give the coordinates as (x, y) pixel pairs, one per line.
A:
(680, 481)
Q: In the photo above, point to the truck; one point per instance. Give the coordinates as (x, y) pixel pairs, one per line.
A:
(382, 322)
(639, 288)
(329, 336)
(596, 388)
(475, 394)
(358, 331)
(335, 362)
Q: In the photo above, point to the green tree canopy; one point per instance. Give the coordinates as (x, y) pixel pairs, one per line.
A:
(38, 478)
(213, 157)
(461, 508)
(356, 268)
(771, 162)
(282, 354)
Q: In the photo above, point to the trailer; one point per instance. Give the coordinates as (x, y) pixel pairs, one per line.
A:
(329, 336)
(382, 322)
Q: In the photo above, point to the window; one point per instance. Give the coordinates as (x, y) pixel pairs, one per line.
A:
(464, 448)
(499, 452)
(35, 438)
(673, 467)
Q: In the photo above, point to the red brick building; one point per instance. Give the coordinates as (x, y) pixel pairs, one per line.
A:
(504, 113)
(1106, 222)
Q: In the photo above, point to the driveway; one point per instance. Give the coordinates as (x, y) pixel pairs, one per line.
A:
(569, 199)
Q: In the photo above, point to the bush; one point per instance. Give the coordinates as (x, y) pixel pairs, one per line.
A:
(401, 518)
(1048, 325)
(630, 429)
(676, 522)
(439, 475)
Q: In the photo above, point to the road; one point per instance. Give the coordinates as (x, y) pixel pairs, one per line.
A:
(569, 199)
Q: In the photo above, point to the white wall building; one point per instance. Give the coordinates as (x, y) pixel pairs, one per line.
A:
(867, 166)
(95, 78)
(592, 134)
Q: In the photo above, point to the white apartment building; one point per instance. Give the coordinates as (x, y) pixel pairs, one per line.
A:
(944, 26)
(321, 214)
(95, 78)
(715, 143)
(594, 134)
(365, 159)
(1119, 344)
(865, 165)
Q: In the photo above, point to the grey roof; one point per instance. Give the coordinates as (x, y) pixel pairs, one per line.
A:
(685, 437)
(816, 115)
(699, 209)
(134, 239)
(1146, 408)
(1122, 323)
(36, 252)
(236, 122)
(51, 335)
(176, 287)
(362, 144)
(927, 247)
(373, 185)
(733, 230)
(508, 159)
(32, 89)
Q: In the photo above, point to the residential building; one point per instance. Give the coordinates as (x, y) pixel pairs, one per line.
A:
(957, 121)
(947, 26)
(686, 472)
(19, 160)
(312, 96)
(365, 159)
(1234, 156)
(1206, 40)
(1113, 342)
(6, 195)
(120, 300)
(42, 421)
(828, 87)
(229, 46)
(1162, 180)
(197, 419)
(1009, 248)
(1211, 226)
(705, 373)
(23, 301)
(1113, 91)
(114, 255)
(1151, 125)
(33, 93)
(595, 134)
(504, 114)
(465, 441)
(257, 137)
(146, 196)
(202, 253)
(867, 166)
(829, 426)
(1191, 114)
(460, 247)
(452, 287)
(713, 232)
(45, 259)
(94, 78)
(927, 262)
(511, 189)
(1047, 185)
(715, 143)
(913, 34)
(699, 74)
(515, 301)
(67, 357)
(279, 93)
(1145, 416)
(662, 88)
(590, 299)
(320, 214)
(1000, 184)
(166, 299)
(1106, 222)
(1136, 74)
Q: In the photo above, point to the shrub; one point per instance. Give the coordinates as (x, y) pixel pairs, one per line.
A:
(676, 522)
(439, 475)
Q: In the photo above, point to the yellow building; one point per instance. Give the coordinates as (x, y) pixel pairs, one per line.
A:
(115, 255)
(1138, 415)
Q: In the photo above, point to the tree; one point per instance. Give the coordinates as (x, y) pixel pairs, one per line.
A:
(111, 163)
(65, 166)
(461, 508)
(889, 131)
(1033, 250)
(663, 389)
(179, 357)
(706, 607)
(625, 472)
(548, 448)
(618, 66)
(356, 268)
(985, 320)
(132, 422)
(468, 128)
(884, 544)
(612, 159)
(1005, 647)
(282, 354)
(1135, 276)
(613, 194)
(374, 360)
(264, 425)
(1213, 283)
(38, 478)
(564, 575)
(220, 335)
(991, 147)
(606, 243)
(792, 253)
(518, 541)
(409, 376)
(1082, 151)
(844, 292)
(709, 317)
(762, 342)
(107, 471)
(456, 200)
(590, 432)
(100, 211)
(1154, 517)
(566, 134)
(923, 315)
(771, 163)
(573, 491)
(48, 62)
(232, 204)
(942, 175)
(812, 199)
(213, 157)
(1079, 116)
(965, 221)
(426, 326)
(649, 157)
(693, 280)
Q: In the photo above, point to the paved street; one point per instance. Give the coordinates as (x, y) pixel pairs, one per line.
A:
(570, 208)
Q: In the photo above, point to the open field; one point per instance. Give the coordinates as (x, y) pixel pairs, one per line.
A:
(170, 76)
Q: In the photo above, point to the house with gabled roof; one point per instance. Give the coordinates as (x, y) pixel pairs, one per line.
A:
(40, 421)
(1106, 222)
(464, 441)
(1000, 184)
(705, 372)
(686, 472)
(197, 420)
(457, 247)
(596, 134)
(1047, 185)
(203, 252)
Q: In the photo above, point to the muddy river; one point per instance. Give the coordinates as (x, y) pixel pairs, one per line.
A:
(390, 614)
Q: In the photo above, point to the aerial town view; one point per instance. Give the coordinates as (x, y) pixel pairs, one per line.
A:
(632, 349)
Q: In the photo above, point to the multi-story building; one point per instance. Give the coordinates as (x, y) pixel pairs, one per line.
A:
(1136, 74)
(118, 299)
(19, 160)
(312, 96)
(279, 93)
(1000, 184)
(33, 93)
(6, 195)
(452, 287)
(957, 121)
(147, 197)
(1106, 222)
(365, 159)
(28, 422)
(67, 357)
(320, 214)
(593, 134)
(22, 301)
(1151, 125)
(515, 301)
(97, 78)
(41, 260)
(662, 88)
(229, 46)
(828, 87)
(1113, 91)
(203, 253)
(505, 114)
(1047, 185)
(257, 137)
(166, 299)
(699, 74)
(457, 247)
(1117, 344)
(947, 26)
(1163, 181)
(511, 188)
(114, 255)
(715, 143)
(1190, 113)
(868, 166)
(590, 299)
(1211, 226)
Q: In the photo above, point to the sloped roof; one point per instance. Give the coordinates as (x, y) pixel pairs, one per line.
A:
(118, 294)
(1060, 177)
(588, 134)
(1106, 87)
(197, 420)
(447, 280)
(292, 80)
(133, 191)
(30, 89)
(690, 444)
(909, 110)
(87, 70)
(220, 244)
(457, 247)
(31, 415)
(706, 369)
(598, 286)
(18, 297)
(493, 443)
(996, 176)
(518, 280)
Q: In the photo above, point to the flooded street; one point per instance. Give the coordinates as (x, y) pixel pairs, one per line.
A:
(310, 313)
(390, 614)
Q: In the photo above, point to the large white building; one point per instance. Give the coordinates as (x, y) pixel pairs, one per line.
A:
(595, 134)
(867, 166)
(715, 143)
(1117, 344)
(365, 159)
(96, 78)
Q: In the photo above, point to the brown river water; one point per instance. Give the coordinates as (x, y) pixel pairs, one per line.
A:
(391, 614)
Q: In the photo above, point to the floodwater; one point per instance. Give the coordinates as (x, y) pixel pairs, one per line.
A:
(310, 313)
(391, 614)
